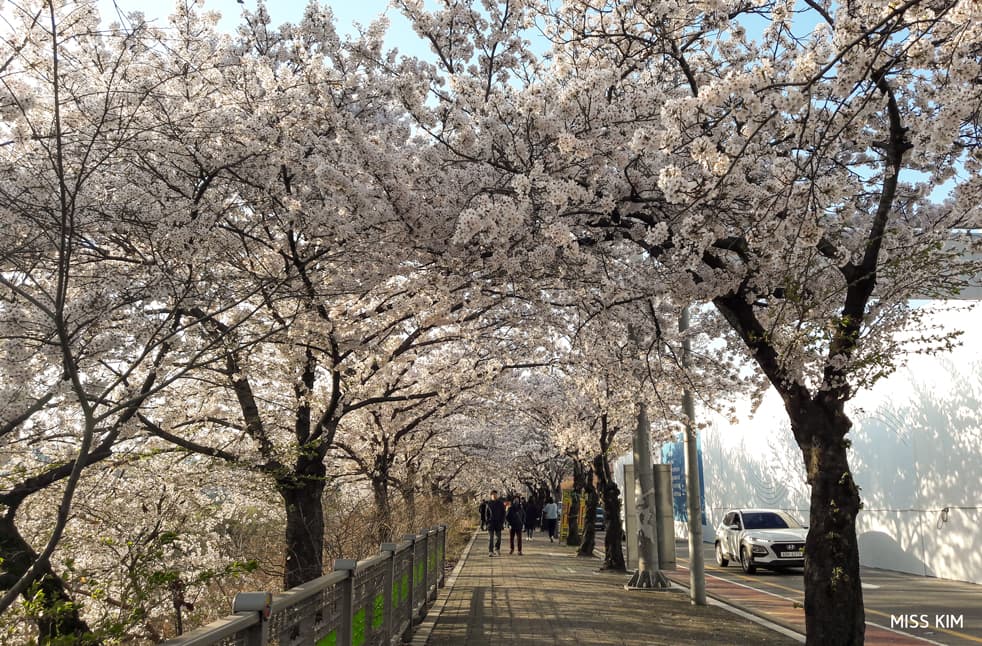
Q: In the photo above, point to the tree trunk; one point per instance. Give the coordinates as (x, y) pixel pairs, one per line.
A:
(52, 608)
(834, 613)
(573, 520)
(408, 491)
(573, 516)
(613, 535)
(589, 541)
(383, 526)
(303, 495)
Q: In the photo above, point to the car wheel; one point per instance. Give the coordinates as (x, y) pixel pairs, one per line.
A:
(746, 562)
(721, 560)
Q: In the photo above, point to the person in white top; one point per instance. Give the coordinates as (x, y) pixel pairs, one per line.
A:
(550, 513)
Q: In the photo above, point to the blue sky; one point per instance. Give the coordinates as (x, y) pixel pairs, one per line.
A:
(346, 13)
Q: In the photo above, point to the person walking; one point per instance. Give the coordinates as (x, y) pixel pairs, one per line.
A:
(516, 523)
(481, 512)
(531, 517)
(550, 513)
(494, 520)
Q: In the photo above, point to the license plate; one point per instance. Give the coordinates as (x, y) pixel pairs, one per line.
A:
(791, 555)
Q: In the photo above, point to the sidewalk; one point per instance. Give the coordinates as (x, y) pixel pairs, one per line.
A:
(550, 596)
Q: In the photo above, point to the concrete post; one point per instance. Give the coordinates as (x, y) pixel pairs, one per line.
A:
(630, 519)
(259, 602)
(347, 599)
(648, 575)
(443, 556)
(665, 516)
(412, 538)
(388, 583)
(428, 543)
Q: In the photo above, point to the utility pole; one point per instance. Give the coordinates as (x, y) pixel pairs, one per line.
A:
(648, 575)
(697, 574)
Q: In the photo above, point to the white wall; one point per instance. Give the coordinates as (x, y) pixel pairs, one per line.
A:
(917, 448)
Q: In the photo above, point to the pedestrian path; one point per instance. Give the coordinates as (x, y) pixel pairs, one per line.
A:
(548, 595)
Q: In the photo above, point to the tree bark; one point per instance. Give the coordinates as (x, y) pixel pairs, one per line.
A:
(55, 614)
(302, 493)
(408, 490)
(573, 517)
(834, 613)
(613, 535)
(380, 492)
(588, 542)
(833, 591)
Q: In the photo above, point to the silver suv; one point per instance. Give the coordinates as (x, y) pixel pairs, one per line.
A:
(767, 538)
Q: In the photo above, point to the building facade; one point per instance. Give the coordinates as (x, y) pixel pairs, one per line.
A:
(916, 455)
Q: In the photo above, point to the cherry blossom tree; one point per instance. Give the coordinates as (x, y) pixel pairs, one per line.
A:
(264, 247)
(390, 442)
(778, 161)
(274, 139)
(89, 308)
(154, 546)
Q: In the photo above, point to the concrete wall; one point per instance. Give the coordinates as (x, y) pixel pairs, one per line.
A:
(917, 449)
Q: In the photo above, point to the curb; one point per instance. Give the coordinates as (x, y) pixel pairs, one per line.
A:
(422, 633)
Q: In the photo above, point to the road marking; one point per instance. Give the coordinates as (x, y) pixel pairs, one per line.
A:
(869, 586)
(771, 583)
(953, 633)
(894, 630)
(750, 587)
(754, 580)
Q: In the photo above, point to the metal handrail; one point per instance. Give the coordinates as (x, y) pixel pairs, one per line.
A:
(218, 630)
(327, 610)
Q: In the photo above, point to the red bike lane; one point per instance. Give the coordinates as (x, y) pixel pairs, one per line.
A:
(785, 611)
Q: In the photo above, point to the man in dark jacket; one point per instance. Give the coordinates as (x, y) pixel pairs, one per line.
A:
(516, 521)
(494, 520)
(532, 512)
(482, 511)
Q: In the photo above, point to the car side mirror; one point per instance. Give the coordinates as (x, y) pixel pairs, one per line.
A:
(734, 526)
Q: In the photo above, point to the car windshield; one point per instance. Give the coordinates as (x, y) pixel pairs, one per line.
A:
(768, 520)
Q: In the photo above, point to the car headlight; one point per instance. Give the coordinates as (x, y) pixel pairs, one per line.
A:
(758, 541)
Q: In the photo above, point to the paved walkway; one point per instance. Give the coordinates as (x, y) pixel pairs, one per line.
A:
(550, 596)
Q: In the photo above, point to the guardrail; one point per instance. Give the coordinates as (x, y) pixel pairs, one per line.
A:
(373, 602)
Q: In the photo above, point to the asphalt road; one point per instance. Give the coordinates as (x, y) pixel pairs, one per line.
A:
(937, 610)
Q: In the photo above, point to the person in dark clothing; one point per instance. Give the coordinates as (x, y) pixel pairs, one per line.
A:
(481, 511)
(531, 517)
(494, 520)
(516, 522)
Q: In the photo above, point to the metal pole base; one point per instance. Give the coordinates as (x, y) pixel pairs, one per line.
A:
(647, 580)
